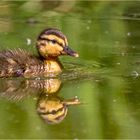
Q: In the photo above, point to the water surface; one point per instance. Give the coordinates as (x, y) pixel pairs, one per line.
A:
(97, 94)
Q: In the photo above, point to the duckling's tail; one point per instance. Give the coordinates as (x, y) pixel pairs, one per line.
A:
(12, 63)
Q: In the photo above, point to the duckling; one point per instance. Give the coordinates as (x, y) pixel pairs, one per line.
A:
(51, 43)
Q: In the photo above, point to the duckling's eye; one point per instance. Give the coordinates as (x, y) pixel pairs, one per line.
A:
(54, 41)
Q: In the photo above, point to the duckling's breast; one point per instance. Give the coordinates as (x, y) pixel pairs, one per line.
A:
(48, 68)
(53, 66)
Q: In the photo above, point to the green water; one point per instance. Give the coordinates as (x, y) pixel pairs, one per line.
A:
(105, 78)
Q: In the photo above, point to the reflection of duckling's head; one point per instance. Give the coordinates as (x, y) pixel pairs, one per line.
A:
(52, 43)
(53, 110)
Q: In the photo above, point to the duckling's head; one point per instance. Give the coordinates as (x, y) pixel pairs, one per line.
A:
(53, 43)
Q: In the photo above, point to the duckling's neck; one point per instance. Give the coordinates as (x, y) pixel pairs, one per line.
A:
(53, 65)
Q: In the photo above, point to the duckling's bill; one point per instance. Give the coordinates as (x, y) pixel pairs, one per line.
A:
(70, 52)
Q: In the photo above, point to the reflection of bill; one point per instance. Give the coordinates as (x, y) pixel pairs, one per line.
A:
(50, 107)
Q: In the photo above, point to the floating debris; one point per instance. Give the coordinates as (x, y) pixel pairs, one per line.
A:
(135, 74)
(28, 41)
(32, 21)
(87, 27)
(89, 21)
(128, 34)
(123, 54)
(133, 47)
(117, 42)
(114, 100)
(38, 128)
(118, 63)
(76, 99)
(35, 98)
(106, 32)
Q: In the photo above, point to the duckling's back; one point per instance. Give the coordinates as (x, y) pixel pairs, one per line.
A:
(16, 62)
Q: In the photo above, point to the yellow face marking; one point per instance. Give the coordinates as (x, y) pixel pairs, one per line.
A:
(66, 42)
(48, 48)
(54, 37)
(41, 42)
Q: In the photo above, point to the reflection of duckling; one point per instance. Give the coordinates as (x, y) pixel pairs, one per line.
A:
(51, 43)
(19, 89)
(52, 109)
(50, 106)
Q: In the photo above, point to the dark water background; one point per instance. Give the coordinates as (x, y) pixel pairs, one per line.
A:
(105, 78)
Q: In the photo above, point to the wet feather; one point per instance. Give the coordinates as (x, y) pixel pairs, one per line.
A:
(16, 62)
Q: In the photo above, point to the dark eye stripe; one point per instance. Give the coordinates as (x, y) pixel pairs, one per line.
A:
(53, 40)
(53, 112)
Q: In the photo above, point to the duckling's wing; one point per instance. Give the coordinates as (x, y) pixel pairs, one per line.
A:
(14, 63)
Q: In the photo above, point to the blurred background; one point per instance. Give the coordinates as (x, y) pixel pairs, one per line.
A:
(106, 34)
